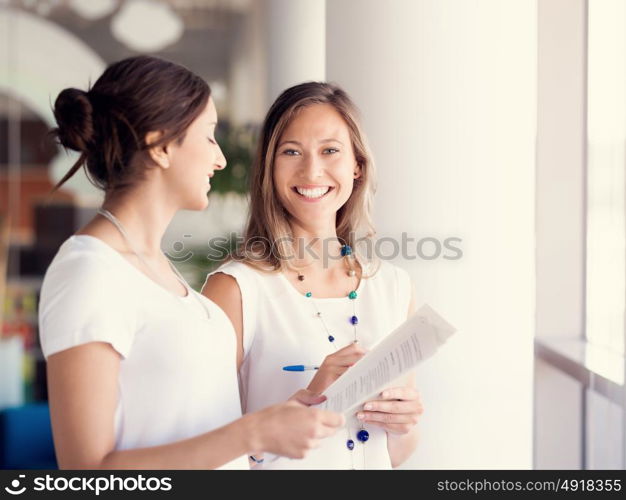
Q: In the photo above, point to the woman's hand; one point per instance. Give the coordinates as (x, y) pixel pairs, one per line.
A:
(334, 365)
(291, 429)
(397, 411)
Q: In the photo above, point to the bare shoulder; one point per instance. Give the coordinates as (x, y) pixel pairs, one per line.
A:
(221, 286)
(223, 290)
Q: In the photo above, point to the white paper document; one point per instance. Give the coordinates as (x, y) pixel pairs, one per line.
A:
(417, 339)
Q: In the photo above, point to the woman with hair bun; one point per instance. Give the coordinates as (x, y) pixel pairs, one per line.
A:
(141, 368)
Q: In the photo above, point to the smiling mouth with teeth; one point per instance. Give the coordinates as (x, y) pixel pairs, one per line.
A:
(312, 193)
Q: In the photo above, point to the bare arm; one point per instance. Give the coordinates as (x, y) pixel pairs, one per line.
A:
(83, 394)
(402, 445)
(82, 412)
(225, 292)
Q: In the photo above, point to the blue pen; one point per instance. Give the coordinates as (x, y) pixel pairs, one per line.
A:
(299, 368)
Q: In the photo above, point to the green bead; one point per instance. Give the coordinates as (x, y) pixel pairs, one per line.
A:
(352, 295)
(308, 294)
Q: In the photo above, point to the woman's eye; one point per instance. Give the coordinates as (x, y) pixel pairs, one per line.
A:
(212, 141)
(291, 152)
(330, 151)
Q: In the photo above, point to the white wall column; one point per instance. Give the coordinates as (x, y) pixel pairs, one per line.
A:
(248, 72)
(296, 47)
(448, 94)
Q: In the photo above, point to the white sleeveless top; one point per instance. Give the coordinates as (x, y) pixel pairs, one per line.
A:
(178, 376)
(280, 328)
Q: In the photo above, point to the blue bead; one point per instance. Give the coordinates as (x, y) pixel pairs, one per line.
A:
(354, 320)
(346, 250)
(331, 338)
(363, 435)
(308, 294)
(350, 444)
(352, 295)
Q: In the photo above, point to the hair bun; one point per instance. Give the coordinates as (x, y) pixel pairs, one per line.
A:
(74, 115)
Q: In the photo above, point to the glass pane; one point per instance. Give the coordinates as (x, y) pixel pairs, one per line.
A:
(606, 222)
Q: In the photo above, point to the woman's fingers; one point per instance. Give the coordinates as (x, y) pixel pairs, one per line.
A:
(393, 428)
(346, 356)
(347, 360)
(331, 419)
(353, 348)
(324, 423)
(299, 429)
(307, 397)
(334, 366)
(403, 393)
(394, 406)
(325, 431)
(388, 418)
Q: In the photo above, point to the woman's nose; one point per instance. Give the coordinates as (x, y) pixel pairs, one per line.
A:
(220, 160)
(313, 167)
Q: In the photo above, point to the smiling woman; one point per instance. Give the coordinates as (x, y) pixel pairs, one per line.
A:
(313, 300)
(294, 145)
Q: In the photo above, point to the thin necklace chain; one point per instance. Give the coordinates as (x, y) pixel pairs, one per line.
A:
(116, 222)
(320, 316)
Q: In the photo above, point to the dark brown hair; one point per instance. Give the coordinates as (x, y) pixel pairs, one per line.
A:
(108, 124)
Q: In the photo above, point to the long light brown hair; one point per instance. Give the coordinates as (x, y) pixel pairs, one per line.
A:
(268, 240)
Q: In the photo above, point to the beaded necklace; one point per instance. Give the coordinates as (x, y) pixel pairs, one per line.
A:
(346, 251)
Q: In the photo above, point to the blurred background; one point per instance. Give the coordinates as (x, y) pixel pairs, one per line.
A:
(499, 122)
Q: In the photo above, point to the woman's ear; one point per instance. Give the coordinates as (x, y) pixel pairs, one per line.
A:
(357, 171)
(158, 153)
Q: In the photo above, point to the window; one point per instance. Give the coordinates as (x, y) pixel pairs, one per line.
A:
(606, 163)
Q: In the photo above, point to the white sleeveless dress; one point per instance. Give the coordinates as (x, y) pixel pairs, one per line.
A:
(280, 328)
